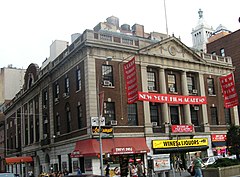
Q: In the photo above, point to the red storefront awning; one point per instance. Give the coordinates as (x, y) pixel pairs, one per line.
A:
(90, 147)
(19, 159)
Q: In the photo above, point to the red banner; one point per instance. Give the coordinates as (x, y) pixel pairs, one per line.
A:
(172, 99)
(130, 76)
(220, 137)
(182, 128)
(229, 91)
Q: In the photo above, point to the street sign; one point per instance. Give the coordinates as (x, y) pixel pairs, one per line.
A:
(95, 120)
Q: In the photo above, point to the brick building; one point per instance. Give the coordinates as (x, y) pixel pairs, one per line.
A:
(225, 43)
(51, 125)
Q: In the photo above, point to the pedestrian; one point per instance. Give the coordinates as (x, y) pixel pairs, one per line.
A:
(65, 172)
(140, 169)
(79, 172)
(107, 170)
(134, 171)
(197, 165)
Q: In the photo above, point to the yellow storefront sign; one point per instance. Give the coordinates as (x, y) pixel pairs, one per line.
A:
(179, 143)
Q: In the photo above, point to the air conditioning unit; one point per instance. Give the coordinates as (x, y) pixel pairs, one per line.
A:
(44, 136)
(196, 108)
(150, 88)
(107, 83)
(65, 94)
(58, 133)
(56, 99)
(44, 106)
(194, 91)
(172, 89)
(154, 124)
(45, 121)
(113, 122)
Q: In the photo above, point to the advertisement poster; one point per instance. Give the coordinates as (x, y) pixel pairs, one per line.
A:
(161, 162)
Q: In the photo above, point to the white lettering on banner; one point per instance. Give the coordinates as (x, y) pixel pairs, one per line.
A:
(167, 98)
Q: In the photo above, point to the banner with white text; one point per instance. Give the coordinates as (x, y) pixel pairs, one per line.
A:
(172, 99)
(229, 91)
(130, 75)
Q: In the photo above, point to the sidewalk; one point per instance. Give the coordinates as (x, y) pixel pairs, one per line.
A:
(171, 174)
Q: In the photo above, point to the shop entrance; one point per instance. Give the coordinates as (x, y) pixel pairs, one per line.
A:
(120, 165)
(179, 160)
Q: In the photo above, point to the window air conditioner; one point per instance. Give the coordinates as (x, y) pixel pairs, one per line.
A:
(45, 121)
(64, 94)
(154, 124)
(44, 136)
(150, 88)
(194, 91)
(113, 122)
(172, 89)
(58, 133)
(196, 108)
(107, 83)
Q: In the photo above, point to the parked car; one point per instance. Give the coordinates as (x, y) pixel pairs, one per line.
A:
(232, 157)
(210, 160)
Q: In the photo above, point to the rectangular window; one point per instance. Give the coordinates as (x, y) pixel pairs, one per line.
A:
(222, 52)
(45, 99)
(190, 84)
(107, 75)
(172, 87)
(227, 114)
(56, 90)
(154, 113)
(174, 115)
(80, 116)
(214, 116)
(194, 116)
(67, 85)
(151, 79)
(210, 84)
(69, 127)
(109, 112)
(58, 123)
(78, 80)
(132, 114)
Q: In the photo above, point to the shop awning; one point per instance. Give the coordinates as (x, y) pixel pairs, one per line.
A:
(219, 144)
(22, 159)
(90, 147)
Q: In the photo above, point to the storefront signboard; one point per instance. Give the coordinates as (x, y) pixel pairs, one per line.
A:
(179, 143)
(161, 162)
(123, 150)
(220, 137)
(182, 128)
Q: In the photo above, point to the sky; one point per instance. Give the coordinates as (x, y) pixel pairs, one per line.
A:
(28, 27)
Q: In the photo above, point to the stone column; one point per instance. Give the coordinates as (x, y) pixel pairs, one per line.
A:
(204, 106)
(186, 107)
(235, 115)
(146, 107)
(164, 106)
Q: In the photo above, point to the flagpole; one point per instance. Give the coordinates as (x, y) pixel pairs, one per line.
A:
(166, 16)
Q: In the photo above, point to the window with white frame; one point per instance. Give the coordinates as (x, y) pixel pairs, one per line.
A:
(172, 86)
(107, 75)
(132, 114)
(210, 84)
(151, 79)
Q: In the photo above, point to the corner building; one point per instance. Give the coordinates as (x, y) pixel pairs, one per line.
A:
(51, 122)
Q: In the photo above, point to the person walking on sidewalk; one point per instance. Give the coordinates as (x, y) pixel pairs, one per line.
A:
(197, 165)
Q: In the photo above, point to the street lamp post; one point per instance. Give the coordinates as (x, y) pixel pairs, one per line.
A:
(100, 97)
